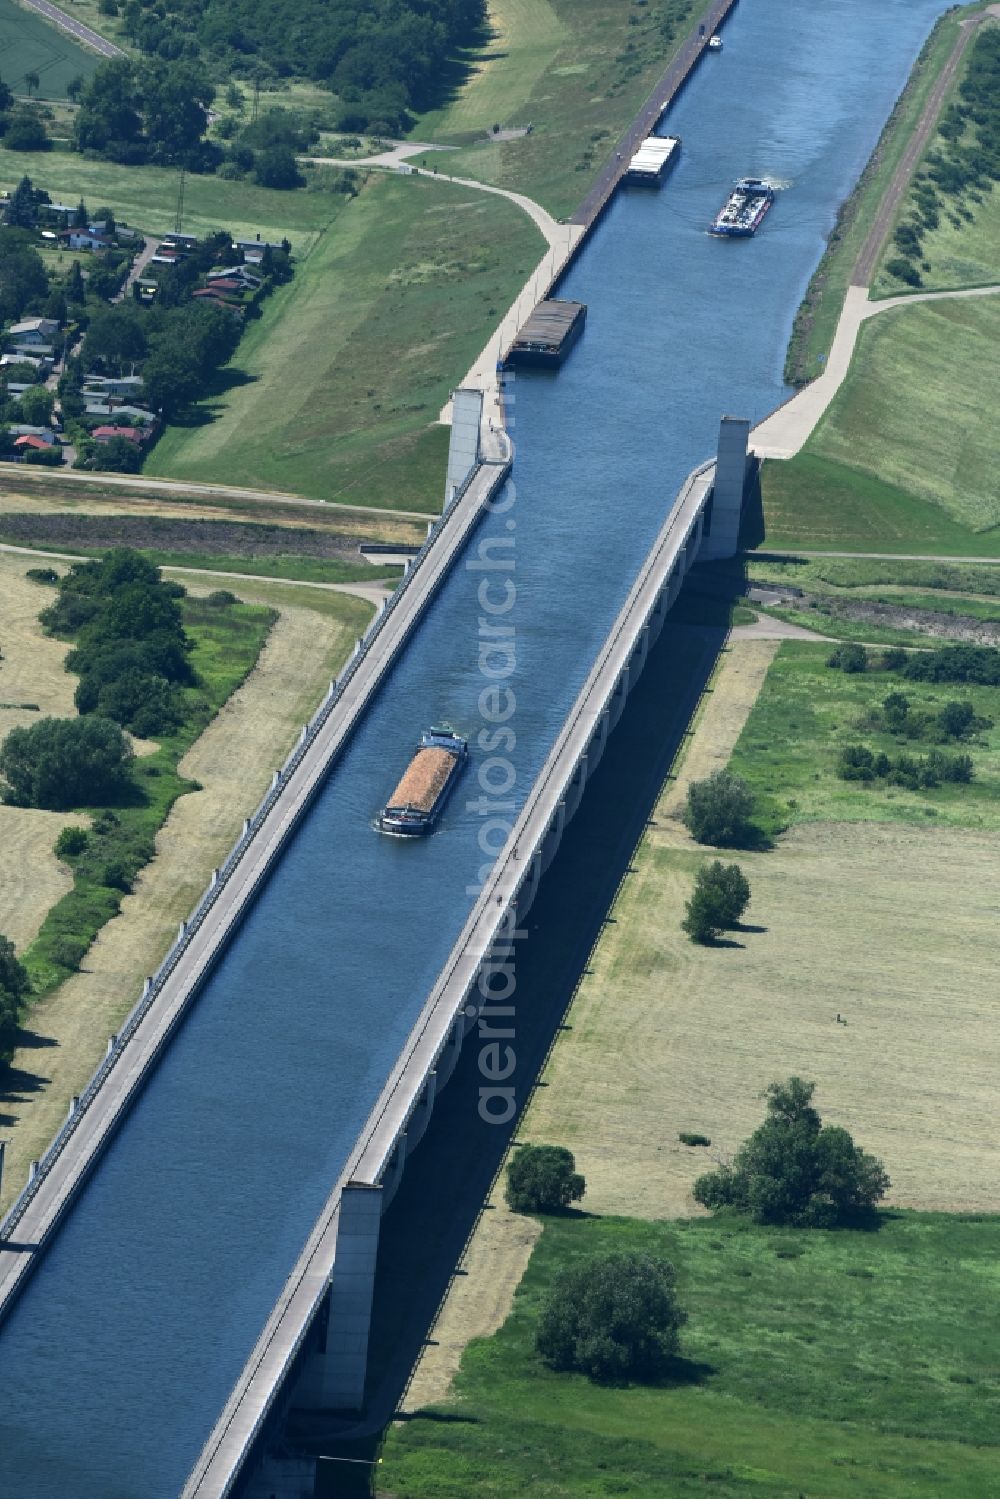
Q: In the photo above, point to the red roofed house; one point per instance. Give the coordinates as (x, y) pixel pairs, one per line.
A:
(133, 434)
(38, 443)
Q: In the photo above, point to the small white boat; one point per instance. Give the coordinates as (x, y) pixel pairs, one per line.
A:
(715, 43)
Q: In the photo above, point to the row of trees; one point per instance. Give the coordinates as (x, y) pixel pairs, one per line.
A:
(964, 164)
(14, 988)
(132, 653)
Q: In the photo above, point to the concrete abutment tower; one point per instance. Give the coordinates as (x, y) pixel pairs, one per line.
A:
(722, 533)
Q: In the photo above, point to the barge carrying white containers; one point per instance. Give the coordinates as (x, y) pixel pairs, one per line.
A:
(653, 158)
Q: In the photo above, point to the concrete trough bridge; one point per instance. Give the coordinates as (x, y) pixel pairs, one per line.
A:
(327, 1298)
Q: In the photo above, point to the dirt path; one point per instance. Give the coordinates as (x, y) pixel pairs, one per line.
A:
(372, 593)
(864, 266)
(209, 491)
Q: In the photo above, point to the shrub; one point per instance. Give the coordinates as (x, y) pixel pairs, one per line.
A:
(221, 599)
(852, 658)
(856, 763)
(721, 894)
(543, 1179)
(42, 575)
(68, 952)
(894, 658)
(65, 762)
(718, 810)
(615, 1317)
(71, 841)
(686, 1138)
(795, 1170)
(116, 876)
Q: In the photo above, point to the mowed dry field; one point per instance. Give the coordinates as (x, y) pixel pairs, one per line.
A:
(232, 760)
(891, 926)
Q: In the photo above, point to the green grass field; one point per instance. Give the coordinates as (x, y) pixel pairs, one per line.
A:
(227, 643)
(813, 502)
(344, 376)
(917, 408)
(843, 574)
(817, 318)
(28, 44)
(807, 712)
(835, 1365)
(147, 197)
(577, 73)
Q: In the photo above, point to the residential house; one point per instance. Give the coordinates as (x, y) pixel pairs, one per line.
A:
(238, 273)
(119, 408)
(182, 242)
(86, 239)
(18, 357)
(30, 440)
(22, 429)
(112, 385)
(131, 434)
(34, 330)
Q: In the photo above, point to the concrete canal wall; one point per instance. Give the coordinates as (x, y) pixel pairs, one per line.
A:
(94, 1117)
(337, 1265)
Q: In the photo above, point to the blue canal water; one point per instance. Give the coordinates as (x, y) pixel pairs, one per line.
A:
(120, 1354)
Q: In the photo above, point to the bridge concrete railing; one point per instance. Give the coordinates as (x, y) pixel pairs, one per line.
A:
(415, 589)
(432, 1048)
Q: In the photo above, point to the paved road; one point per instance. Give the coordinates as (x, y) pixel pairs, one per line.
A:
(785, 431)
(140, 263)
(77, 29)
(864, 266)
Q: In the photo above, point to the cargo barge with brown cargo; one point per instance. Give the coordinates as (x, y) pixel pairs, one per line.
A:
(417, 802)
(548, 334)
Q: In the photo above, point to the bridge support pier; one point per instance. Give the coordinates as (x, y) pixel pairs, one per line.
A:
(723, 538)
(336, 1379)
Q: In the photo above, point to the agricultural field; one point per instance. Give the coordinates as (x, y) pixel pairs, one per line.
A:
(224, 773)
(577, 74)
(344, 376)
(28, 44)
(833, 1364)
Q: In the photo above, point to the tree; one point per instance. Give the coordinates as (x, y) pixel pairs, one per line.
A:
(108, 121)
(6, 97)
(75, 289)
(543, 1179)
(116, 336)
(795, 1170)
(25, 130)
(14, 987)
(615, 1317)
(74, 88)
(718, 810)
(36, 405)
(22, 209)
(721, 895)
(31, 83)
(65, 762)
(277, 167)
